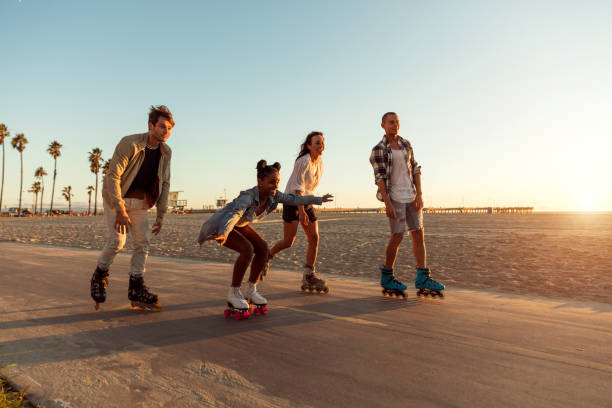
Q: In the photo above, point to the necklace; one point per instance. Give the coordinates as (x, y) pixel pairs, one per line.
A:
(151, 147)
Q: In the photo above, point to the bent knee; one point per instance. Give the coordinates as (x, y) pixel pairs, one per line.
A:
(288, 243)
(261, 248)
(116, 243)
(247, 251)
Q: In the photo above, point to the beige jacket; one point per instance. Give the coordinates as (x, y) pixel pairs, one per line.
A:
(127, 159)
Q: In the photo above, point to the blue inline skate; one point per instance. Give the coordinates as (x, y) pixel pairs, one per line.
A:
(391, 286)
(427, 286)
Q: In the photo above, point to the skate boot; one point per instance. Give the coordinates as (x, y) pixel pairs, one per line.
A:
(311, 281)
(238, 306)
(266, 267)
(427, 286)
(140, 296)
(99, 282)
(391, 286)
(258, 303)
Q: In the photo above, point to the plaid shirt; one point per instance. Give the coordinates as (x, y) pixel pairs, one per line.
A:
(381, 160)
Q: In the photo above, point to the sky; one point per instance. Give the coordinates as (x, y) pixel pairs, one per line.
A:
(505, 103)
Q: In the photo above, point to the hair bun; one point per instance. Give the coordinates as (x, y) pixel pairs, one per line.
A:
(261, 164)
(276, 166)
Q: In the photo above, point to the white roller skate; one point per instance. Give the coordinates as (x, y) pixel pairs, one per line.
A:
(238, 306)
(258, 302)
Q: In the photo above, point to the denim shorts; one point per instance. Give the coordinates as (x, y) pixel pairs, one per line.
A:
(407, 218)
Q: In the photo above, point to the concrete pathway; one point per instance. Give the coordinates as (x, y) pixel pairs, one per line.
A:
(351, 348)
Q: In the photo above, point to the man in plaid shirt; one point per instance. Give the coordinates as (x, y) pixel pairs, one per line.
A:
(398, 177)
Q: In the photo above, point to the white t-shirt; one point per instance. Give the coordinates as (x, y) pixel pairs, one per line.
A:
(306, 175)
(400, 186)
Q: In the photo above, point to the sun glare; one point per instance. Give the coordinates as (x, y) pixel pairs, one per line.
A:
(588, 203)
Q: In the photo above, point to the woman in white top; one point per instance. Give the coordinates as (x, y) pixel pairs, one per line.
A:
(307, 172)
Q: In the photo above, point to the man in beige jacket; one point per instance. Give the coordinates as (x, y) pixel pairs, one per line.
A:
(138, 179)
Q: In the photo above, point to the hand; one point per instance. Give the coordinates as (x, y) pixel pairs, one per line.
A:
(390, 210)
(418, 201)
(303, 218)
(157, 226)
(327, 198)
(122, 222)
(220, 239)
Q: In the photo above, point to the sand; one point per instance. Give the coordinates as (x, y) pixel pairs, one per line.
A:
(565, 256)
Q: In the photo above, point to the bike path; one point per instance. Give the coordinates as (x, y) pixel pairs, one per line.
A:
(352, 347)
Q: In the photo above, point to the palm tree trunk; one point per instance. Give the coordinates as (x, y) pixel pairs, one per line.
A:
(96, 198)
(42, 194)
(20, 182)
(35, 202)
(89, 206)
(69, 205)
(2, 188)
(53, 188)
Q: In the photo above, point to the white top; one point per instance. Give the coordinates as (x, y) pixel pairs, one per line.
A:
(401, 185)
(306, 175)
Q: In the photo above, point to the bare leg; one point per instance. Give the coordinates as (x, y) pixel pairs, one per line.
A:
(312, 234)
(260, 248)
(240, 244)
(289, 232)
(418, 247)
(392, 247)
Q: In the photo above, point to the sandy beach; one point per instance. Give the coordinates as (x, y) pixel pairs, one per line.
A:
(554, 255)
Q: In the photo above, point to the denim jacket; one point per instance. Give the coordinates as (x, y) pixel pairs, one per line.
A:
(242, 210)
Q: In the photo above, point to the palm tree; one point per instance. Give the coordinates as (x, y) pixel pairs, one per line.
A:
(106, 167)
(40, 173)
(90, 189)
(54, 150)
(36, 188)
(67, 193)
(95, 157)
(4, 133)
(19, 143)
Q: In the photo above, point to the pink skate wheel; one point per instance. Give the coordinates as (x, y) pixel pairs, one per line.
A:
(264, 309)
(227, 313)
(246, 314)
(257, 311)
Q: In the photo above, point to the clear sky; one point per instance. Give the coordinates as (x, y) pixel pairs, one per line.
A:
(505, 103)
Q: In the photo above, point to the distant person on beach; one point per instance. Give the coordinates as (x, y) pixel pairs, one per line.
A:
(138, 178)
(307, 172)
(230, 228)
(398, 177)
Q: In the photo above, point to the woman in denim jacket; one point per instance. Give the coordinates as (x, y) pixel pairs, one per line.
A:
(230, 228)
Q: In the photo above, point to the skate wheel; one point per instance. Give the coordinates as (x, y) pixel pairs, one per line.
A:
(264, 310)
(310, 290)
(257, 311)
(238, 316)
(441, 295)
(97, 306)
(227, 313)
(326, 290)
(303, 288)
(251, 308)
(245, 314)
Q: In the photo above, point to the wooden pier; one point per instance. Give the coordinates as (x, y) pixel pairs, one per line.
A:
(431, 210)
(480, 210)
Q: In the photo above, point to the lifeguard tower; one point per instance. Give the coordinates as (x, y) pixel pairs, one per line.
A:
(174, 204)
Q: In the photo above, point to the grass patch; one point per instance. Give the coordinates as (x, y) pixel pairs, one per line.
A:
(11, 398)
